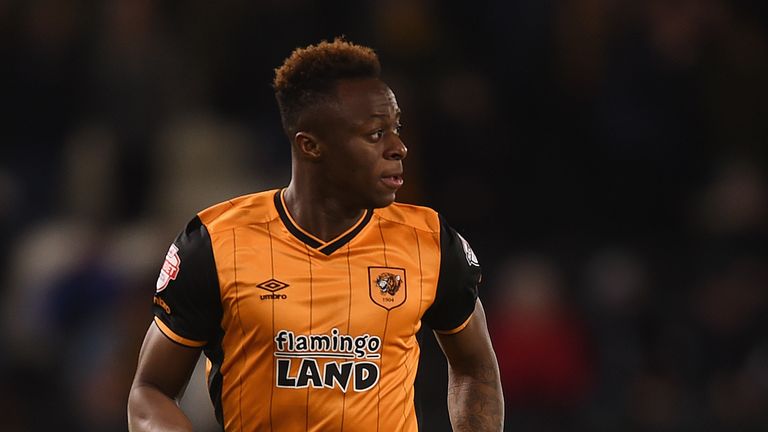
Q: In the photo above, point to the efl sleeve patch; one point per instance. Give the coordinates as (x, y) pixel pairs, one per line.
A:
(460, 273)
(170, 268)
(187, 304)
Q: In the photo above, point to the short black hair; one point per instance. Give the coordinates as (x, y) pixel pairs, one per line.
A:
(308, 77)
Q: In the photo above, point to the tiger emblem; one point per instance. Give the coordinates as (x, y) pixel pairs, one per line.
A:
(389, 283)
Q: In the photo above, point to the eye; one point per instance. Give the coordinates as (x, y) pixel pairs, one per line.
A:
(398, 128)
(376, 135)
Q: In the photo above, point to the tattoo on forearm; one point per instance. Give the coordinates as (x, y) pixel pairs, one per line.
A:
(475, 401)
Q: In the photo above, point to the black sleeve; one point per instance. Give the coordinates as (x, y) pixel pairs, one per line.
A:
(457, 284)
(187, 300)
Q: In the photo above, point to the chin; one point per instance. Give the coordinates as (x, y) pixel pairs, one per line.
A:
(385, 201)
(381, 200)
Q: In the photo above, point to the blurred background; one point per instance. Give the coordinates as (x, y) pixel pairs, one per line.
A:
(605, 158)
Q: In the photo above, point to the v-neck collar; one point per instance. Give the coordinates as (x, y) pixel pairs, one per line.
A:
(328, 247)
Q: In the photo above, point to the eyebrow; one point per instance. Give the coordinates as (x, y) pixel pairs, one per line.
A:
(397, 114)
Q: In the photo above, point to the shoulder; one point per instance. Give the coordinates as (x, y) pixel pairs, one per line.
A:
(415, 216)
(249, 209)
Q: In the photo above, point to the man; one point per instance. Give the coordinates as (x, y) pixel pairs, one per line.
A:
(306, 300)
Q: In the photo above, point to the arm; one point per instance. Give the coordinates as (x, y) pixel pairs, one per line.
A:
(475, 399)
(161, 377)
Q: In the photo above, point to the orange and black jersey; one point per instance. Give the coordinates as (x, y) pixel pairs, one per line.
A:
(306, 335)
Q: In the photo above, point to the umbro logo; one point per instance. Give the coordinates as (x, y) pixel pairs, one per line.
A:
(272, 285)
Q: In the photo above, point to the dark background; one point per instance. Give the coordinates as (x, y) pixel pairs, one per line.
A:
(605, 158)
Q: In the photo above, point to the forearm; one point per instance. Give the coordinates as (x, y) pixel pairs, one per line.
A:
(475, 401)
(150, 410)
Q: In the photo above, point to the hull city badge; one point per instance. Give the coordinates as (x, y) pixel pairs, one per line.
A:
(387, 287)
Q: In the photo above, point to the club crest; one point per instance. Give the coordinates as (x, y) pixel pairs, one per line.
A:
(389, 283)
(387, 286)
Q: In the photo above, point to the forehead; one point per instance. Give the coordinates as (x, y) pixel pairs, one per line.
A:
(361, 99)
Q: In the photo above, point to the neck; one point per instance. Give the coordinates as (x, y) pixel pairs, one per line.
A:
(323, 216)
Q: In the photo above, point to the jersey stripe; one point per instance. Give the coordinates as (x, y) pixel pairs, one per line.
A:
(418, 314)
(274, 360)
(378, 385)
(242, 331)
(349, 319)
(309, 263)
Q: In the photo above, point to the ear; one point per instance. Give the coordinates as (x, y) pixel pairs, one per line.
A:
(307, 145)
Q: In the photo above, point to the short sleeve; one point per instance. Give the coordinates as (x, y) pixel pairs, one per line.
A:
(459, 276)
(187, 304)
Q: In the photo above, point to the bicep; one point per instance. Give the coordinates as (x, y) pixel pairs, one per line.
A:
(164, 364)
(471, 347)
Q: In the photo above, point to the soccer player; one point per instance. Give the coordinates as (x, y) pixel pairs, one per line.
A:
(306, 300)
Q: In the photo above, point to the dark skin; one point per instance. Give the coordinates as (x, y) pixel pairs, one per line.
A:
(342, 157)
(346, 157)
(163, 372)
(475, 400)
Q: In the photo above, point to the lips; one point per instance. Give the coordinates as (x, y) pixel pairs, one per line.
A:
(392, 181)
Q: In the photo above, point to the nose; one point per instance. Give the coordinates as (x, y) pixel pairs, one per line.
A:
(396, 150)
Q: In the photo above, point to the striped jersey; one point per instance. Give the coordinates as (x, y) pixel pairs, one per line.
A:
(302, 334)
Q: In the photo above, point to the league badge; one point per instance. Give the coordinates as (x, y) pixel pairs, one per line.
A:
(170, 268)
(469, 253)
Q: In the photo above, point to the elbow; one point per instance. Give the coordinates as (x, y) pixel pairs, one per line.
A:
(137, 417)
(143, 402)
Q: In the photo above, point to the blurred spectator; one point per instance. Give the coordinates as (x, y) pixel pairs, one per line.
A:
(735, 202)
(542, 346)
